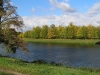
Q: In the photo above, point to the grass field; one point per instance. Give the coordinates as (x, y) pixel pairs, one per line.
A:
(63, 41)
(43, 69)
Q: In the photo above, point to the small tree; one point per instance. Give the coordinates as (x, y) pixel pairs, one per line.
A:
(9, 22)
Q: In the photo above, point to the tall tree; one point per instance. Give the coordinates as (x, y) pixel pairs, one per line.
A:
(52, 32)
(61, 32)
(90, 31)
(82, 32)
(85, 32)
(72, 31)
(44, 32)
(28, 34)
(98, 32)
(9, 22)
(37, 31)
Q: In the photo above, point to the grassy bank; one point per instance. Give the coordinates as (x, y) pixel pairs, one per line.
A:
(63, 41)
(42, 69)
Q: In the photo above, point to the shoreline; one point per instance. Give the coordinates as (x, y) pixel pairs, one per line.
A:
(38, 68)
(64, 41)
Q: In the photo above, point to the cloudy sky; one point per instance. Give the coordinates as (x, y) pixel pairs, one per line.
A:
(58, 12)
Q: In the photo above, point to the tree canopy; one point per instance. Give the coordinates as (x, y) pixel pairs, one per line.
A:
(10, 21)
(70, 31)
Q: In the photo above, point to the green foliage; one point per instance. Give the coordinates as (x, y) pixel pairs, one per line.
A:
(96, 32)
(44, 32)
(39, 62)
(80, 33)
(61, 32)
(72, 31)
(68, 32)
(36, 32)
(52, 32)
(85, 32)
(43, 69)
(27, 34)
(90, 31)
(8, 19)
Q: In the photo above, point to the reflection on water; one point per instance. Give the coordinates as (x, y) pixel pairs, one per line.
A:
(75, 56)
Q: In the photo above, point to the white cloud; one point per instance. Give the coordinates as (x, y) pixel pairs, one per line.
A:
(77, 19)
(52, 9)
(64, 6)
(33, 9)
(95, 9)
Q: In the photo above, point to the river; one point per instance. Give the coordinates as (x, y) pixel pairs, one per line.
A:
(76, 56)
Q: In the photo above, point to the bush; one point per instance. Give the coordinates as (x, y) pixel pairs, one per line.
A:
(56, 64)
(39, 62)
(0, 55)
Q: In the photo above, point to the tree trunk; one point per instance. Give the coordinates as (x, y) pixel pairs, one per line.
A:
(1, 9)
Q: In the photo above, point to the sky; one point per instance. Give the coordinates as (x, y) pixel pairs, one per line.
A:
(58, 12)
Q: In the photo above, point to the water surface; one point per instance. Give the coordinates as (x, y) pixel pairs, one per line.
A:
(76, 56)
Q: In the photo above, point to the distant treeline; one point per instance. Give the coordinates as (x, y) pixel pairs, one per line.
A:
(63, 32)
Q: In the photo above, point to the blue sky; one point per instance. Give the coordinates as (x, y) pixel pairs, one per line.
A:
(58, 12)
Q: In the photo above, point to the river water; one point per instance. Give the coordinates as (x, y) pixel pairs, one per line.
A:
(76, 56)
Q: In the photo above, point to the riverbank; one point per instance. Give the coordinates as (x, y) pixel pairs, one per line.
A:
(43, 69)
(63, 41)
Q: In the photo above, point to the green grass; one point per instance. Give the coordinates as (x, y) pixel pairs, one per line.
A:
(63, 41)
(42, 69)
(3, 73)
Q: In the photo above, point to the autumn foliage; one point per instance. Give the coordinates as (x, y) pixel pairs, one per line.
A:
(70, 31)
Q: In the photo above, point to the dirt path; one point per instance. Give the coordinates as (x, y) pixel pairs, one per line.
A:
(9, 71)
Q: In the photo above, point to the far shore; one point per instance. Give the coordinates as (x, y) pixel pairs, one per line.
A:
(64, 41)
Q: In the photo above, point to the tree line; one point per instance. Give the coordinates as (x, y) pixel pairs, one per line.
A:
(63, 32)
